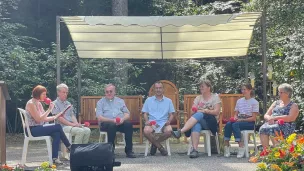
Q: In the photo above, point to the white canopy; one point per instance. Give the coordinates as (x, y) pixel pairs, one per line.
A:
(155, 37)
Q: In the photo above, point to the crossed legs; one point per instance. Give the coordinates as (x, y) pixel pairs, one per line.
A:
(148, 133)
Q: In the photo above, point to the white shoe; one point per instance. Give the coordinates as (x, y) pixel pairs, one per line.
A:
(241, 152)
(227, 151)
(57, 161)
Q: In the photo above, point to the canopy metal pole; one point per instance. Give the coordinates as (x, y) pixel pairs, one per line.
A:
(79, 85)
(246, 69)
(264, 60)
(58, 51)
(161, 42)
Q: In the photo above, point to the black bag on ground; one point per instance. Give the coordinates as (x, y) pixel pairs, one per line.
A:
(92, 157)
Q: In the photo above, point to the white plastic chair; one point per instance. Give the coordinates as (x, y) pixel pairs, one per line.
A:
(167, 146)
(105, 134)
(207, 142)
(29, 137)
(245, 135)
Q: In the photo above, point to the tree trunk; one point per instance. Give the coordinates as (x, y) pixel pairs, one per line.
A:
(120, 8)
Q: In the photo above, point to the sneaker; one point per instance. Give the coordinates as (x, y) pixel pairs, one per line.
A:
(131, 154)
(153, 150)
(57, 161)
(227, 151)
(241, 152)
(163, 151)
(193, 154)
(177, 134)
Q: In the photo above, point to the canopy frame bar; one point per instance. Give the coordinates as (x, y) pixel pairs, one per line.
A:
(264, 59)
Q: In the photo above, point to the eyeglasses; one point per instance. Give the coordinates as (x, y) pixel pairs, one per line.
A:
(109, 92)
(281, 92)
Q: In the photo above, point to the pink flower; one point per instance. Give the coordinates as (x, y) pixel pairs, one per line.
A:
(117, 120)
(194, 108)
(47, 101)
(153, 122)
(232, 119)
(86, 124)
(280, 121)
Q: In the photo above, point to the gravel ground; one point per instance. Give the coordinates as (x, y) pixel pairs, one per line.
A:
(177, 161)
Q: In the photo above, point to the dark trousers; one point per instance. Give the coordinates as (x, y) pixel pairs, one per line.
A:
(112, 128)
(236, 128)
(57, 134)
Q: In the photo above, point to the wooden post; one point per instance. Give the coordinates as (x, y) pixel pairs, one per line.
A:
(58, 50)
(264, 60)
(246, 69)
(3, 97)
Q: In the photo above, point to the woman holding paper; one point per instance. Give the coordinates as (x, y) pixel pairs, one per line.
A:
(37, 117)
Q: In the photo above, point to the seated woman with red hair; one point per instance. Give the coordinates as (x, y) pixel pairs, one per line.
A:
(37, 116)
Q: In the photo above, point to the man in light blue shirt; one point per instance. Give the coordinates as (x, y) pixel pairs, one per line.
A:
(160, 110)
(114, 116)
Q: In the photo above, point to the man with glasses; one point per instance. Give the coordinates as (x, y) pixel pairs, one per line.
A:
(113, 115)
(160, 110)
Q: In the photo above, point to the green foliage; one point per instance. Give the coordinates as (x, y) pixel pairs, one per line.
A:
(285, 23)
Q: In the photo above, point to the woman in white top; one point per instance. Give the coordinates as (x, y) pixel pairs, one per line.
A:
(37, 117)
(246, 111)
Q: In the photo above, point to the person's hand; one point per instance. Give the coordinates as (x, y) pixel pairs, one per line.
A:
(238, 120)
(167, 123)
(77, 125)
(51, 106)
(271, 121)
(201, 111)
(121, 121)
(147, 123)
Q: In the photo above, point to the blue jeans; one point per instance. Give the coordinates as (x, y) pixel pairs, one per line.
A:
(236, 129)
(57, 134)
(201, 122)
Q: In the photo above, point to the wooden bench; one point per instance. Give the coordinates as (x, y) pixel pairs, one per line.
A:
(227, 110)
(133, 103)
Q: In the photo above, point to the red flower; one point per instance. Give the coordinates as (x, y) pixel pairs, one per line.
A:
(265, 152)
(291, 150)
(280, 121)
(194, 109)
(47, 101)
(117, 119)
(232, 119)
(86, 124)
(153, 122)
(282, 153)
